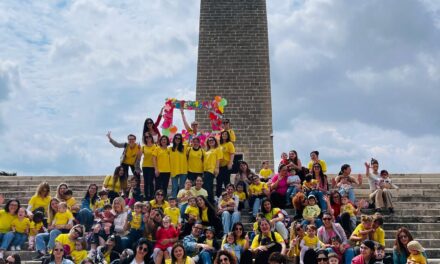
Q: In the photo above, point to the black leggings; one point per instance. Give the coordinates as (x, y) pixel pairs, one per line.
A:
(148, 182)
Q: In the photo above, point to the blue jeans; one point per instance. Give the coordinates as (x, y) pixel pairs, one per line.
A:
(349, 192)
(228, 220)
(320, 196)
(182, 210)
(85, 217)
(6, 239)
(205, 257)
(208, 185)
(291, 191)
(178, 182)
(318, 224)
(256, 204)
(46, 240)
(19, 239)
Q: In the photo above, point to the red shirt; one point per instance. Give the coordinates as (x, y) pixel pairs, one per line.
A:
(162, 234)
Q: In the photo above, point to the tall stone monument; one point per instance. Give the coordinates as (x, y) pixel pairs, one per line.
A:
(233, 62)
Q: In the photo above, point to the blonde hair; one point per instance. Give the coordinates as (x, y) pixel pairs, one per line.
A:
(366, 218)
(41, 186)
(121, 202)
(50, 211)
(62, 204)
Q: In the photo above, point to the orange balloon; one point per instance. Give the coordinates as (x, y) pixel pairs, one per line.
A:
(173, 129)
(218, 98)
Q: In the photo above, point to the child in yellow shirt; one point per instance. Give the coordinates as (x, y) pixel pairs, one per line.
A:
(363, 230)
(349, 208)
(416, 250)
(192, 211)
(36, 227)
(241, 194)
(173, 211)
(80, 252)
(265, 172)
(226, 203)
(103, 199)
(135, 219)
(62, 218)
(20, 226)
(311, 240)
(72, 205)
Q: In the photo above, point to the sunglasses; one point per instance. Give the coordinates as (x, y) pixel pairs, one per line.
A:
(326, 218)
(321, 259)
(79, 233)
(159, 194)
(199, 228)
(58, 249)
(143, 249)
(149, 123)
(239, 228)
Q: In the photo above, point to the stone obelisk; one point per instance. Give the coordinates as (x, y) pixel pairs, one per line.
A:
(233, 62)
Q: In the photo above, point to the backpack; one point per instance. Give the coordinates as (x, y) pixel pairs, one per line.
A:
(272, 236)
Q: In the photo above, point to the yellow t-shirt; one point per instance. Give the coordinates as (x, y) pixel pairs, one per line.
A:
(108, 183)
(205, 215)
(65, 241)
(21, 226)
(379, 236)
(255, 228)
(209, 242)
(265, 173)
(182, 193)
(273, 213)
(311, 241)
(34, 228)
(162, 159)
(201, 192)
(63, 218)
(187, 260)
(357, 231)
(37, 201)
(211, 158)
(148, 156)
(239, 241)
(164, 205)
(321, 162)
(174, 214)
(224, 203)
(131, 154)
(100, 203)
(232, 136)
(348, 208)
(419, 258)
(5, 221)
(241, 196)
(195, 160)
(194, 211)
(228, 149)
(255, 243)
(136, 221)
(70, 203)
(78, 256)
(178, 162)
(257, 189)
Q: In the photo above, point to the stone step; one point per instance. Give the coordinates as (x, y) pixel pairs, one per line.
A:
(402, 192)
(413, 226)
(416, 234)
(426, 243)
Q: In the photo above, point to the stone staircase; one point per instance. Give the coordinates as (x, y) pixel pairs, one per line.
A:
(417, 204)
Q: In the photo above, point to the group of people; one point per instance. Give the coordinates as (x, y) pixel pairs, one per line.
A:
(195, 223)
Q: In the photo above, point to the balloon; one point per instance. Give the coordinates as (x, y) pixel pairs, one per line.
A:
(224, 102)
(218, 98)
(212, 116)
(166, 132)
(173, 129)
(221, 109)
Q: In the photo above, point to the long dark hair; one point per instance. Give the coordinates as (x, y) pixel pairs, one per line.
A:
(208, 147)
(178, 146)
(322, 177)
(173, 258)
(95, 196)
(242, 227)
(295, 160)
(116, 174)
(144, 137)
(398, 245)
(9, 203)
(262, 205)
(343, 168)
(224, 140)
(160, 140)
(155, 129)
(226, 253)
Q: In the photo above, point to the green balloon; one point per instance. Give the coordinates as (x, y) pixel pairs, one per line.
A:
(223, 102)
(166, 132)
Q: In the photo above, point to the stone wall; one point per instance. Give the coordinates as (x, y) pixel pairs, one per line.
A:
(233, 62)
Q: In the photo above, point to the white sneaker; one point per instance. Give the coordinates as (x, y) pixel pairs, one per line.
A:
(1, 254)
(18, 248)
(12, 248)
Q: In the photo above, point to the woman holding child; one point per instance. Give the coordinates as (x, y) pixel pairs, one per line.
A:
(278, 187)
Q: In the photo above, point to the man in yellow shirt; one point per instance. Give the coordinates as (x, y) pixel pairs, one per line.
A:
(130, 158)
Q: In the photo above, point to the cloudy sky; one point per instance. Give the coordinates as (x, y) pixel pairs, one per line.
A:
(363, 79)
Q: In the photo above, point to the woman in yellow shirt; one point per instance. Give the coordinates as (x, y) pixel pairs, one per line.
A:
(147, 164)
(40, 200)
(42, 240)
(178, 164)
(211, 165)
(162, 166)
(178, 255)
(112, 183)
(7, 215)
(196, 156)
(208, 215)
(224, 175)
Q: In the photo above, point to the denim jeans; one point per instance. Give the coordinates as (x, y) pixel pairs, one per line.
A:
(320, 197)
(182, 210)
(6, 239)
(282, 230)
(228, 220)
(46, 241)
(255, 201)
(291, 191)
(19, 239)
(178, 182)
(318, 223)
(349, 192)
(205, 257)
(208, 185)
(85, 217)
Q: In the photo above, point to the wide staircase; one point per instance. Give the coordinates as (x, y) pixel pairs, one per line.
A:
(417, 205)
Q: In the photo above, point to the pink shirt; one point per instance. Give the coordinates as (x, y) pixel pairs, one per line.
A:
(282, 185)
